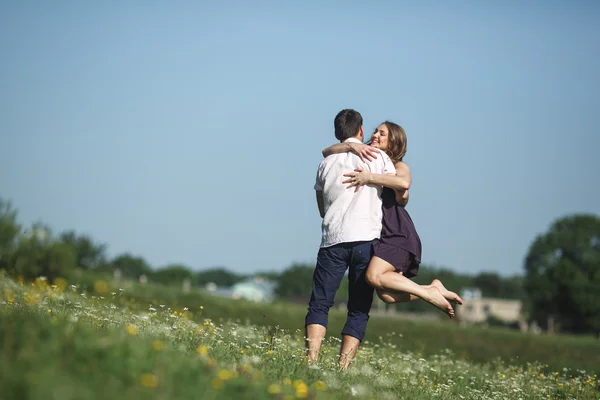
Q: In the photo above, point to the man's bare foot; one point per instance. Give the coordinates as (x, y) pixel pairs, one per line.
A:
(435, 297)
(445, 292)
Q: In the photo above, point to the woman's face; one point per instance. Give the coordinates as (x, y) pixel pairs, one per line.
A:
(379, 139)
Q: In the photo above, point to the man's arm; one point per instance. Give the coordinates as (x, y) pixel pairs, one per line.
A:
(320, 203)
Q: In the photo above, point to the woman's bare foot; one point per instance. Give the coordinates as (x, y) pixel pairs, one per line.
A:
(445, 292)
(436, 298)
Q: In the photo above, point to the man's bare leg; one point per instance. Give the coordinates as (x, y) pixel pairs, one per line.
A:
(348, 351)
(315, 334)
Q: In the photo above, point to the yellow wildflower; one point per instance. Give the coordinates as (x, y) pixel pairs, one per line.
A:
(202, 350)
(301, 391)
(157, 345)
(274, 389)
(287, 381)
(131, 329)
(101, 287)
(320, 385)
(225, 375)
(149, 380)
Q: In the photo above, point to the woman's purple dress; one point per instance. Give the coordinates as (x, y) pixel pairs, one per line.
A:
(399, 244)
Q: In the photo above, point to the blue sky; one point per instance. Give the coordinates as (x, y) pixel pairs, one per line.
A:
(190, 132)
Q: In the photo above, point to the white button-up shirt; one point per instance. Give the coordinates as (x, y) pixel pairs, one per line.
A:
(350, 216)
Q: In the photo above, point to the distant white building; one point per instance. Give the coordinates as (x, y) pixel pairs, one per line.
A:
(477, 309)
(254, 289)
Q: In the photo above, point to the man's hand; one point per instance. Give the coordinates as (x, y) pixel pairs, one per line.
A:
(358, 178)
(364, 151)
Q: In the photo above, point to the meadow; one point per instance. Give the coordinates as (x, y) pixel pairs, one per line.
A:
(91, 338)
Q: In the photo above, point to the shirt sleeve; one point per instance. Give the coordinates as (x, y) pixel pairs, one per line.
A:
(319, 180)
(388, 165)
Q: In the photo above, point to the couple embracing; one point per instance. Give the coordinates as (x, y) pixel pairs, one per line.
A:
(361, 193)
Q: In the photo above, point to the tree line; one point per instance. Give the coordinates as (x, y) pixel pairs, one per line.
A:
(560, 285)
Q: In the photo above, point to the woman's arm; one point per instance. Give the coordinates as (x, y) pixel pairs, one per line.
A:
(400, 181)
(364, 151)
(402, 197)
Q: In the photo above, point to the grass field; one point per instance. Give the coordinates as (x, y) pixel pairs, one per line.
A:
(96, 341)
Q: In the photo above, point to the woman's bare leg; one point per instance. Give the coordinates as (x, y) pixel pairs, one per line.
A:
(395, 297)
(383, 276)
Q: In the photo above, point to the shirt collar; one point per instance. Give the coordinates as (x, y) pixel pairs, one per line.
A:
(354, 140)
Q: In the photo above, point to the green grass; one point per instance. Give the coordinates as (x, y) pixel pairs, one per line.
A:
(473, 343)
(62, 345)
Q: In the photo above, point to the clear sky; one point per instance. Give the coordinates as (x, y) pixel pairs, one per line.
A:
(190, 132)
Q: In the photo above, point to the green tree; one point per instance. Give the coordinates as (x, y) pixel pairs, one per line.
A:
(88, 254)
(296, 281)
(9, 231)
(38, 254)
(172, 274)
(130, 266)
(219, 276)
(490, 284)
(563, 275)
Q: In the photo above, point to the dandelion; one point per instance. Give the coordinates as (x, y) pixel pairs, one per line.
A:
(157, 345)
(202, 350)
(202, 307)
(274, 389)
(101, 287)
(149, 381)
(287, 381)
(320, 385)
(225, 375)
(301, 390)
(217, 383)
(131, 330)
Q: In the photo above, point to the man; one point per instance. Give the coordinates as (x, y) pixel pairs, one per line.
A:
(351, 223)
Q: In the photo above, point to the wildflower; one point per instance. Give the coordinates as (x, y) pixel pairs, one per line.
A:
(131, 330)
(149, 381)
(49, 310)
(157, 345)
(301, 390)
(274, 389)
(225, 375)
(211, 362)
(101, 287)
(202, 350)
(202, 307)
(61, 284)
(287, 381)
(320, 385)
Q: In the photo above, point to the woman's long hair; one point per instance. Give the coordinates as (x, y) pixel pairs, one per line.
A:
(396, 141)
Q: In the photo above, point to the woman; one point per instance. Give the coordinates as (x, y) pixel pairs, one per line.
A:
(397, 254)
